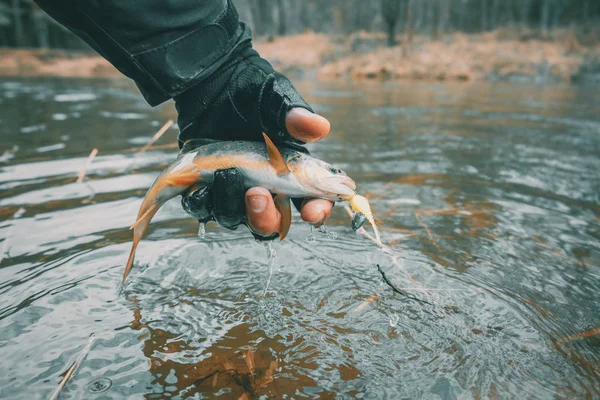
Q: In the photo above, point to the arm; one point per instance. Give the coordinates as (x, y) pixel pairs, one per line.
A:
(198, 53)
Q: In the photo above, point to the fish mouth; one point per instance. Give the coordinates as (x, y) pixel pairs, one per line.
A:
(337, 187)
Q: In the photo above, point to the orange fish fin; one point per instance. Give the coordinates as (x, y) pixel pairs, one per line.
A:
(142, 218)
(275, 158)
(184, 178)
(283, 205)
(159, 193)
(140, 227)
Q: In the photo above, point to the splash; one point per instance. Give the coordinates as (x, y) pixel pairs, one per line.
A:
(271, 260)
(310, 238)
(330, 234)
(202, 230)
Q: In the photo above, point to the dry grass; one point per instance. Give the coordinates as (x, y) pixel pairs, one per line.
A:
(586, 334)
(73, 367)
(305, 51)
(502, 54)
(83, 171)
(38, 62)
(460, 57)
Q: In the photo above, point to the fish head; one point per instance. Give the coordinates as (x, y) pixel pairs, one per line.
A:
(322, 179)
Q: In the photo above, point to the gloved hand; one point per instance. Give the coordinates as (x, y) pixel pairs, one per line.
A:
(238, 102)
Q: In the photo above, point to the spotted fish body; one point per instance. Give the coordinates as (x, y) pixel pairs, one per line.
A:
(252, 161)
(284, 172)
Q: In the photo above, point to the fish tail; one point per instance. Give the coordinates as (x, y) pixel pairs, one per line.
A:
(165, 188)
(139, 228)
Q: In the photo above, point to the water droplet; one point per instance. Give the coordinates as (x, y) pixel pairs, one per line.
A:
(202, 230)
(330, 234)
(99, 385)
(271, 260)
(310, 238)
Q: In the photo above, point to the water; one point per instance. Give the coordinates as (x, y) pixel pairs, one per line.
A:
(486, 195)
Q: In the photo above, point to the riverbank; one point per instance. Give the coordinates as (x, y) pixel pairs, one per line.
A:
(503, 55)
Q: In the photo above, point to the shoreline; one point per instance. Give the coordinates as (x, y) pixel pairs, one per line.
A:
(488, 57)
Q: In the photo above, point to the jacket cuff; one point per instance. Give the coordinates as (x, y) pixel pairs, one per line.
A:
(180, 64)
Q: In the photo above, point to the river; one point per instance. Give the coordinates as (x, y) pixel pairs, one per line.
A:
(487, 196)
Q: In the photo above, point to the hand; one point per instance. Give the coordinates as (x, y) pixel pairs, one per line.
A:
(243, 100)
(263, 217)
(226, 203)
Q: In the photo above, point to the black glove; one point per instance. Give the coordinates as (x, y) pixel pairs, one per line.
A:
(241, 100)
(222, 202)
(244, 98)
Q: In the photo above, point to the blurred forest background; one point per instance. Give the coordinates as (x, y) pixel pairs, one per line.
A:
(23, 24)
(333, 36)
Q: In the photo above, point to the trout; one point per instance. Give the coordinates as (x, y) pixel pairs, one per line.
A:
(287, 173)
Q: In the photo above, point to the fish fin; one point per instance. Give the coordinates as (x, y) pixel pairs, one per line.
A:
(178, 179)
(139, 229)
(283, 205)
(275, 158)
(182, 179)
(142, 218)
(193, 144)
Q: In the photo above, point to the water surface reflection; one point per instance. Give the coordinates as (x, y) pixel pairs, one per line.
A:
(488, 196)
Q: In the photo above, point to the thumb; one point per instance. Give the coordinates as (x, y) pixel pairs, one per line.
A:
(305, 125)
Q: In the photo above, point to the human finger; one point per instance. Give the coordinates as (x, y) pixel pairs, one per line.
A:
(263, 217)
(316, 211)
(305, 125)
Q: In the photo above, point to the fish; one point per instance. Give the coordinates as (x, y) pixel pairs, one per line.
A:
(287, 173)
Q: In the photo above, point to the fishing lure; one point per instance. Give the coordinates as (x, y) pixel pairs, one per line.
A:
(285, 172)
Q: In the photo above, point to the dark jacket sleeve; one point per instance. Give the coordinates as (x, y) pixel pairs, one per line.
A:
(165, 46)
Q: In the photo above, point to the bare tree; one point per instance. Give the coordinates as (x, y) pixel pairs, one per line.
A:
(484, 15)
(23, 24)
(390, 10)
(545, 16)
(523, 7)
(494, 16)
(262, 15)
(16, 9)
(281, 23)
(408, 21)
(41, 27)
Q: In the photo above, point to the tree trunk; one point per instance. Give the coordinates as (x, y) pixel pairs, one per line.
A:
(585, 13)
(18, 23)
(545, 17)
(281, 24)
(262, 16)
(524, 7)
(494, 16)
(257, 25)
(409, 21)
(556, 15)
(266, 12)
(444, 17)
(390, 11)
(461, 16)
(391, 39)
(42, 31)
(419, 12)
(484, 15)
(433, 17)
